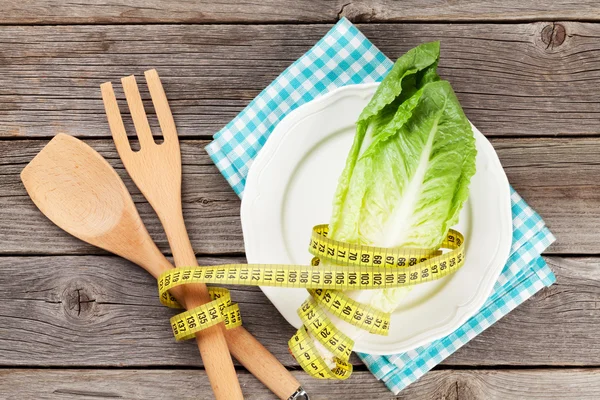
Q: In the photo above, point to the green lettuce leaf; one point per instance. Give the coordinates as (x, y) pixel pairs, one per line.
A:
(408, 172)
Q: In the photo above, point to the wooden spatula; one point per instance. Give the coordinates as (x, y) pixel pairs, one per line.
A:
(81, 193)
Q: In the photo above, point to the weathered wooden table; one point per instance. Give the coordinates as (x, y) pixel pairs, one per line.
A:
(527, 75)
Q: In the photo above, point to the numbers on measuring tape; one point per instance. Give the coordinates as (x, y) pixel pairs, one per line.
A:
(221, 309)
(336, 266)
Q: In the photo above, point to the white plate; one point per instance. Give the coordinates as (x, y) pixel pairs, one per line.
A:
(290, 188)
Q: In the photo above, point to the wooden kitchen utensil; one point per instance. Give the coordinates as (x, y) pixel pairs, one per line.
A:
(156, 170)
(81, 193)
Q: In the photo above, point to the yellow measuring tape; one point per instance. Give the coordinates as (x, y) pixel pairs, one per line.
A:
(337, 266)
(221, 309)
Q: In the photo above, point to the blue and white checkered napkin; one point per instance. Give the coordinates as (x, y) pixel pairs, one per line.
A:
(345, 56)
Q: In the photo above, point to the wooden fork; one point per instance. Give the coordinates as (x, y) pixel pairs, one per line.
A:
(156, 170)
